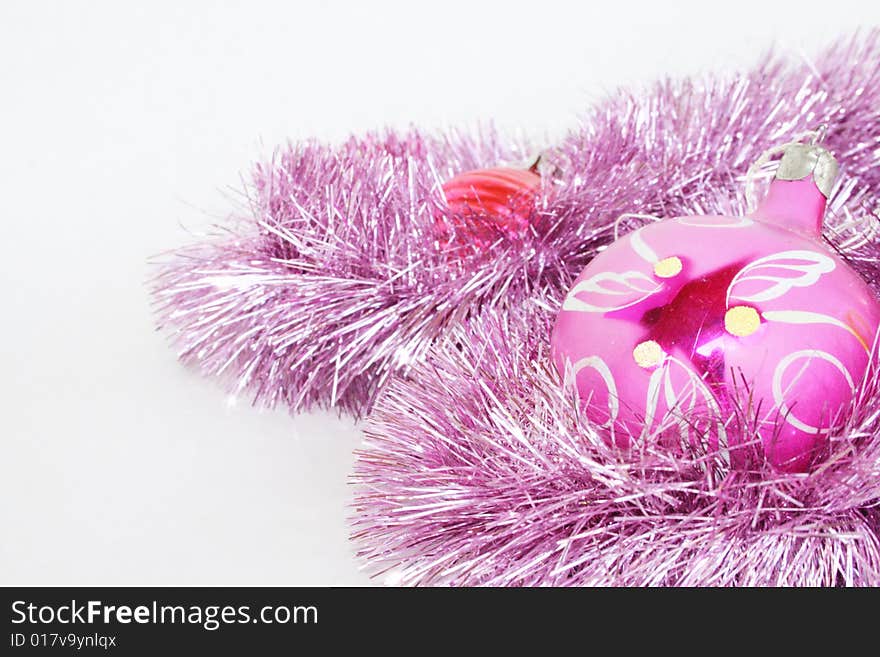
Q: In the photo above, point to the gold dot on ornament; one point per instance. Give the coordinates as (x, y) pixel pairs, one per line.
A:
(741, 321)
(648, 354)
(668, 267)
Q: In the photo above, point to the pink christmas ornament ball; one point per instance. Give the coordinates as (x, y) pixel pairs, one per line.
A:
(703, 331)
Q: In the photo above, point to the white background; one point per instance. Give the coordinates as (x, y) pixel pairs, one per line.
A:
(122, 128)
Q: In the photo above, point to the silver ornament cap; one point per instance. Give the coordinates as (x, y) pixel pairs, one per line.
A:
(802, 160)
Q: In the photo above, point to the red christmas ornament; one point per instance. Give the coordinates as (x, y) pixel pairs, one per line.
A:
(486, 204)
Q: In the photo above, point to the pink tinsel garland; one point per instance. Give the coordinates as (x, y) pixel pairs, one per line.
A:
(478, 468)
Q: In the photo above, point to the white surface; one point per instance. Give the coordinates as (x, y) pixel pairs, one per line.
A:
(119, 124)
